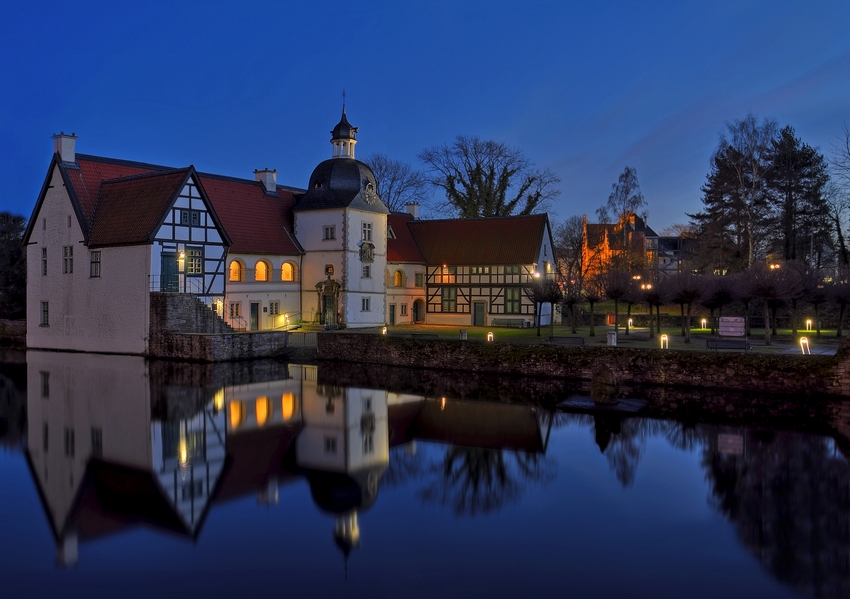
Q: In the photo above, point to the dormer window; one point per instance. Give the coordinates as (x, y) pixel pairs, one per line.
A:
(317, 185)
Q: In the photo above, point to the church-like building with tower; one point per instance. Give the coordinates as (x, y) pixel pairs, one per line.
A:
(108, 239)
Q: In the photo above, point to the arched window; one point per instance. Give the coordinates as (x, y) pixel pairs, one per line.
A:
(237, 271)
(263, 410)
(237, 413)
(287, 272)
(398, 279)
(261, 271)
(287, 401)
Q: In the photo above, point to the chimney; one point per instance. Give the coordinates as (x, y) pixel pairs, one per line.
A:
(268, 178)
(413, 209)
(64, 145)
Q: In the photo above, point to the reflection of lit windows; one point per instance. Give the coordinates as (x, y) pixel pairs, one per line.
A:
(263, 410)
(195, 489)
(44, 436)
(287, 402)
(330, 444)
(237, 413)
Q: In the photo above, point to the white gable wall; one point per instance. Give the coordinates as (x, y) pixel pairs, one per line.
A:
(104, 314)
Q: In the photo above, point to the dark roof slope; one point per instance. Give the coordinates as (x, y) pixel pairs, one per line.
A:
(129, 210)
(342, 183)
(403, 248)
(506, 240)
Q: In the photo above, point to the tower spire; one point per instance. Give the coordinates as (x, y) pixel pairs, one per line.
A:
(343, 136)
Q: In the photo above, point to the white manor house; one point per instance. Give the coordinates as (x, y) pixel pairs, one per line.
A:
(107, 236)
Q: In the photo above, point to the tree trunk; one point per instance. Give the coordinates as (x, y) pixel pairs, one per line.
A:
(773, 319)
(538, 307)
(592, 332)
(551, 319)
(682, 309)
(747, 331)
(841, 320)
(817, 318)
(628, 317)
(658, 316)
(766, 323)
(616, 316)
(711, 320)
(688, 326)
(573, 317)
(651, 333)
(794, 318)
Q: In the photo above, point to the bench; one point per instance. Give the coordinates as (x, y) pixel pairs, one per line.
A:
(509, 322)
(717, 344)
(567, 340)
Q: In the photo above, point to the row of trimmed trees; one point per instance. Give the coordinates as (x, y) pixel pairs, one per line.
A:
(773, 289)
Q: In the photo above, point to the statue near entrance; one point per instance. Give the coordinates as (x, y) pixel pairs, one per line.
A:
(328, 309)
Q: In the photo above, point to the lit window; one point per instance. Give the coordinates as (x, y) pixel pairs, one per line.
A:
(512, 300)
(481, 270)
(398, 279)
(365, 304)
(236, 271)
(194, 261)
(449, 299)
(261, 271)
(68, 259)
(94, 271)
(287, 402)
(366, 232)
(263, 410)
(287, 272)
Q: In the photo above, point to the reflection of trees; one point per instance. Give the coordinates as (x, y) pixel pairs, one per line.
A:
(789, 498)
(478, 481)
(404, 466)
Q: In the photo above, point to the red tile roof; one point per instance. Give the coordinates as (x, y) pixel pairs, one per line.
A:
(257, 223)
(469, 241)
(129, 210)
(403, 248)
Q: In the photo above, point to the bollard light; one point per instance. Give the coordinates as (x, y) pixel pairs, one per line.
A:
(664, 342)
(443, 404)
(809, 324)
(804, 346)
(631, 323)
(704, 322)
(489, 336)
(384, 331)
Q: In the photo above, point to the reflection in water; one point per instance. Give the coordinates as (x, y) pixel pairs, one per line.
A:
(114, 443)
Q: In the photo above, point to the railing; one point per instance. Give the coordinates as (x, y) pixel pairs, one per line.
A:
(238, 323)
(289, 321)
(176, 284)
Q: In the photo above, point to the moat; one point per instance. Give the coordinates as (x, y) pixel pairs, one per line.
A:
(130, 478)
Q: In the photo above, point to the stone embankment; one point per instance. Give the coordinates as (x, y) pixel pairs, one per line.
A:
(786, 374)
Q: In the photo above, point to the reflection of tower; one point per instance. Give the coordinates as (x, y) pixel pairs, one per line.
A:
(343, 450)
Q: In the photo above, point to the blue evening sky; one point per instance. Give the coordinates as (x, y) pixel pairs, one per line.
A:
(584, 88)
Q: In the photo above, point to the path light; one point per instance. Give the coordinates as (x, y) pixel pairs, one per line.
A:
(664, 342)
(809, 324)
(443, 404)
(630, 323)
(384, 331)
(804, 345)
(704, 321)
(490, 336)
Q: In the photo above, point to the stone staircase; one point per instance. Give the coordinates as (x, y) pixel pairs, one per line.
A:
(184, 313)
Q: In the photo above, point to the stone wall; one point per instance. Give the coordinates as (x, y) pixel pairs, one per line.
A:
(729, 371)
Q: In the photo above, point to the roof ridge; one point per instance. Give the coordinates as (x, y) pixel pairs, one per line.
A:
(234, 179)
(147, 175)
(122, 162)
(476, 218)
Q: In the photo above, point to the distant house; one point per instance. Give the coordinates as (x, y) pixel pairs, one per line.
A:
(629, 244)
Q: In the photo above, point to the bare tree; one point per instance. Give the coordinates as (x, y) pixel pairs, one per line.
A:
(398, 182)
(765, 284)
(625, 199)
(685, 289)
(569, 237)
(485, 178)
(717, 292)
(592, 295)
(616, 285)
(745, 147)
(572, 297)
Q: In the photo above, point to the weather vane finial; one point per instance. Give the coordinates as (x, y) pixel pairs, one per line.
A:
(343, 100)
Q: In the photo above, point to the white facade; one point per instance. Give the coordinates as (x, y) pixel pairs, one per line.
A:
(67, 307)
(263, 291)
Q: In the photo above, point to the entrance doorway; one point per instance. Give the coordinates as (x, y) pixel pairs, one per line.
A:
(255, 316)
(478, 314)
(392, 314)
(168, 278)
(418, 311)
